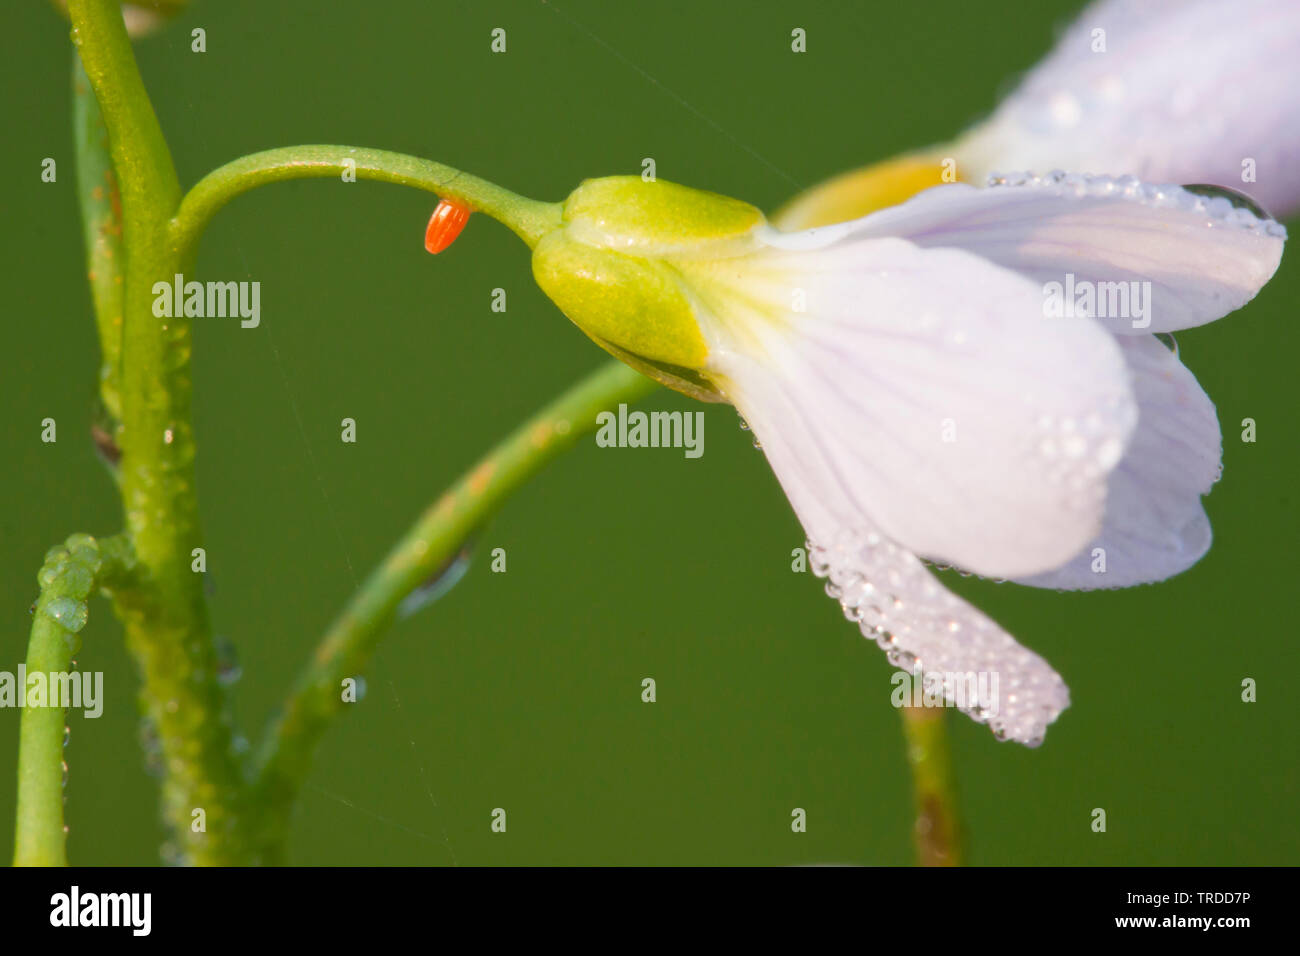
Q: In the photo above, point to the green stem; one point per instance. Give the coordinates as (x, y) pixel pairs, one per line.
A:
(938, 832)
(101, 209)
(71, 573)
(432, 541)
(165, 615)
(529, 219)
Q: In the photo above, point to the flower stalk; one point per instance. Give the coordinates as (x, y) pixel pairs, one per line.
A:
(527, 218)
(165, 613)
(72, 572)
(937, 831)
(436, 536)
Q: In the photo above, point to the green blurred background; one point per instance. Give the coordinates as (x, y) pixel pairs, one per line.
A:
(522, 690)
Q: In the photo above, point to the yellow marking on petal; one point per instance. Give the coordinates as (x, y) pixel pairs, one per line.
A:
(853, 194)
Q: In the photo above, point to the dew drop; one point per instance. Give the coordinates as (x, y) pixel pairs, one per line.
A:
(1237, 200)
(70, 613)
(78, 579)
(228, 669)
(438, 584)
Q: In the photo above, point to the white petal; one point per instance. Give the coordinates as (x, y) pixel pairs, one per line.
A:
(1155, 525)
(898, 603)
(1185, 91)
(944, 407)
(1202, 257)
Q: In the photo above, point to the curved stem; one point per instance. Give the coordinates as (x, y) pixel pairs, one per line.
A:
(71, 573)
(432, 541)
(529, 218)
(937, 831)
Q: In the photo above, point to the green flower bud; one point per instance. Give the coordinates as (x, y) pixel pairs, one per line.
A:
(610, 267)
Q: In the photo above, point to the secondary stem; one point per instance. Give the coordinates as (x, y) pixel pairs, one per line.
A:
(101, 213)
(937, 831)
(528, 218)
(435, 538)
(71, 573)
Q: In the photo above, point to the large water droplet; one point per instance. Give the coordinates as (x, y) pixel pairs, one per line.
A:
(438, 584)
(78, 579)
(71, 614)
(1239, 200)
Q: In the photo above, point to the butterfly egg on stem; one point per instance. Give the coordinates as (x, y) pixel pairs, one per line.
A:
(445, 224)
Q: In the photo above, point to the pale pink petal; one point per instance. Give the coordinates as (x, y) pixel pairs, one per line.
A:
(1155, 525)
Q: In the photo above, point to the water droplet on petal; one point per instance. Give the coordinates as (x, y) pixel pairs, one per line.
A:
(1235, 199)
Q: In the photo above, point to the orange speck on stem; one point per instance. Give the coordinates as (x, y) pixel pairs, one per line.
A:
(541, 435)
(445, 225)
(478, 481)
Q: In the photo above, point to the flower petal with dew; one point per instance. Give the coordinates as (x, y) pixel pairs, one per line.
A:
(909, 391)
(1155, 525)
(1201, 266)
(1185, 91)
(1189, 91)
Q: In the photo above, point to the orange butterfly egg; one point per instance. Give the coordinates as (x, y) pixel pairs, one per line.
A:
(445, 225)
